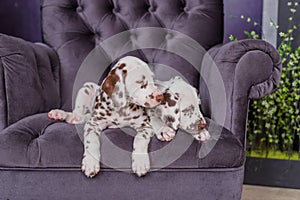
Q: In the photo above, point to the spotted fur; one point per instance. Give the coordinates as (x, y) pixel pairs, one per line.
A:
(178, 109)
(115, 104)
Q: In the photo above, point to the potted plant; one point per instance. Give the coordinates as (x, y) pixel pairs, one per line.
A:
(274, 121)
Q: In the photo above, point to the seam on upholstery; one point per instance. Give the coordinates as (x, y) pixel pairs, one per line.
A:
(159, 21)
(10, 54)
(84, 18)
(68, 42)
(4, 93)
(4, 85)
(175, 20)
(231, 106)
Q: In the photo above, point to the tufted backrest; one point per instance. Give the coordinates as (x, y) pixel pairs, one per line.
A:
(74, 27)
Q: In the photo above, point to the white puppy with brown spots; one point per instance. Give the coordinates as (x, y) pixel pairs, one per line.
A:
(178, 109)
(120, 101)
(126, 98)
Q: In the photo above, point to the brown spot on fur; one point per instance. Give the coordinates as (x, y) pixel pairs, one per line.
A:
(144, 85)
(135, 117)
(151, 96)
(147, 104)
(193, 127)
(122, 66)
(169, 118)
(110, 82)
(176, 111)
(89, 130)
(189, 110)
(115, 123)
(86, 91)
(167, 99)
(142, 82)
(97, 105)
(108, 113)
(102, 114)
(127, 118)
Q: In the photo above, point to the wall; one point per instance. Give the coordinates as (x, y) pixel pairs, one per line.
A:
(234, 24)
(21, 18)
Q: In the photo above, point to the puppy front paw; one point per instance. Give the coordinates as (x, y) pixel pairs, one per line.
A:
(58, 115)
(203, 135)
(140, 163)
(166, 134)
(90, 166)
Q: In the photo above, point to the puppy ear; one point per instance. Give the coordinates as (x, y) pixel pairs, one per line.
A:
(114, 85)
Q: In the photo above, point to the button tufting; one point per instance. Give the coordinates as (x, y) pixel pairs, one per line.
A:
(152, 9)
(133, 36)
(79, 9)
(115, 10)
(169, 36)
(185, 9)
(97, 34)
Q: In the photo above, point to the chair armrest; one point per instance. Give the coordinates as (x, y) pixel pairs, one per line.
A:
(250, 69)
(29, 79)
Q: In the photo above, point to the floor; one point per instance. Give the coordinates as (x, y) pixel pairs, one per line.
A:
(269, 193)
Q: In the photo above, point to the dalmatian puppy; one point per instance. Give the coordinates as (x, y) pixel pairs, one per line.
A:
(120, 101)
(178, 109)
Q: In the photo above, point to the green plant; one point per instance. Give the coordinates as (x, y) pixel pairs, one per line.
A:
(274, 122)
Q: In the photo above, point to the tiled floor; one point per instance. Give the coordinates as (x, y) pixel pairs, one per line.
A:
(269, 193)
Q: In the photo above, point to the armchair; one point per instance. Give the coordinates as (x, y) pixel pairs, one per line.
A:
(40, 158)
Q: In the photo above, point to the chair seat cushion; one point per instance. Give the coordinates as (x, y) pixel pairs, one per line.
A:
(39, 142)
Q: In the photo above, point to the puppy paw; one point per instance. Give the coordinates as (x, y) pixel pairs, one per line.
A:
(203, 135)
(140, 163)
(166, 134)
(90, 166)
(58, 115)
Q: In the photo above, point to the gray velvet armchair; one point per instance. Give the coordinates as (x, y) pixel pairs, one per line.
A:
(40, 158)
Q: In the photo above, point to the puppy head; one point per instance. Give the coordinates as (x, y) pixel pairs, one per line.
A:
(193, 122)
(140, 84)
(131, 80)
(191, 118)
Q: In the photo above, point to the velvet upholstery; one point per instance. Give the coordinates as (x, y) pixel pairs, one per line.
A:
(43, 156)
(210, 184)
(73, 28)
(29, 79)
(250, 69)
(32, 139)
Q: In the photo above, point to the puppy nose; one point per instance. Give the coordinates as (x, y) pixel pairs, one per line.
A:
(159, 97)
(202, 125)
